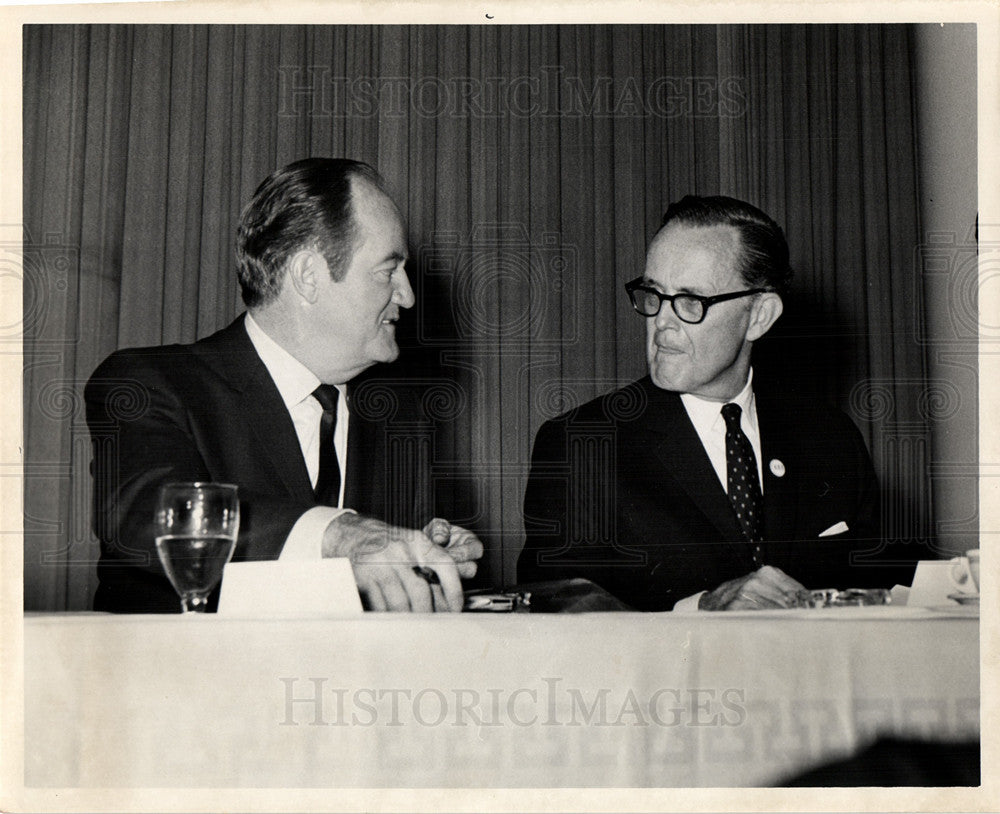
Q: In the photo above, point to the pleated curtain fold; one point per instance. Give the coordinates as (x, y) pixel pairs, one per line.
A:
(532, 164)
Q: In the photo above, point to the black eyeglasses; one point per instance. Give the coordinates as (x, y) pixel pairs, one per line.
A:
(690, 308)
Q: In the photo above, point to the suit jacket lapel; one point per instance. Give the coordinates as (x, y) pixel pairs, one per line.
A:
(234, 357)
(275, 433)
(365, 484)
(679, 449)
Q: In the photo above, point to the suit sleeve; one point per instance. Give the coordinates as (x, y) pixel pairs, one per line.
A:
(143, 438)
(868, 517)
(569, 517)
(870, 561)
(545, 510)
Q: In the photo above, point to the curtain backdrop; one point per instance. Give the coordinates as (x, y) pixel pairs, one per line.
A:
(532, 164)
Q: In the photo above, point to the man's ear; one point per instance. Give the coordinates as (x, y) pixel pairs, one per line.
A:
(303, 269)
(765, 313)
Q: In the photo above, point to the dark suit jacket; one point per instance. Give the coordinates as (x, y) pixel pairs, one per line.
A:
(211, 412)
(622, 492)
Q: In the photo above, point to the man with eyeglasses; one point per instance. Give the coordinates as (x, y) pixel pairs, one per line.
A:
(690, 489)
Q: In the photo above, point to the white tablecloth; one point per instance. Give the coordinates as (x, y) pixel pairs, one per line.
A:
(729, 699)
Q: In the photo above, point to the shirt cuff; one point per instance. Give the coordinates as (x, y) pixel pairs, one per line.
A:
(305, 540)
(688, 603)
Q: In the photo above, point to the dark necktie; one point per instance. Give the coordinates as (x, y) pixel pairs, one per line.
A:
(328, 483)
(743, 483)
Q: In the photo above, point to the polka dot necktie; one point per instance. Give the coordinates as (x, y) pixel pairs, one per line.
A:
(327, 489)
(743, 483)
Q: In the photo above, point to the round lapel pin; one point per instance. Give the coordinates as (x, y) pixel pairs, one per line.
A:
(777, 468)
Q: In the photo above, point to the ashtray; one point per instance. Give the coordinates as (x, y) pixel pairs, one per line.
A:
(497, 602)
(848, 597)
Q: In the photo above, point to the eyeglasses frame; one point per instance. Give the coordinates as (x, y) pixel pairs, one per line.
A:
(706, 302)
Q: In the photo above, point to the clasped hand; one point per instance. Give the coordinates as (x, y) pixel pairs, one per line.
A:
(383, 558)
(767, 587)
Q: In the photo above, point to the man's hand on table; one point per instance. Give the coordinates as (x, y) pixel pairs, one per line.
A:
(461, 544)
(383, 558)
(767, 587)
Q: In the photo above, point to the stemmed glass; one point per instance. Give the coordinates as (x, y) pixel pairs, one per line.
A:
(196, 528)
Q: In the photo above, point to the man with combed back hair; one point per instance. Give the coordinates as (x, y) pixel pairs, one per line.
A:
(264, 404)
(690, 488)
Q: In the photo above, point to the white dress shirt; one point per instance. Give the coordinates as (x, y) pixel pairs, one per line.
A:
(706, 416)
(295, 383)
(711, 428)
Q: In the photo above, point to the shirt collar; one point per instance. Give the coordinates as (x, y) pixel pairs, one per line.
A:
(292, 378)
(704, 413)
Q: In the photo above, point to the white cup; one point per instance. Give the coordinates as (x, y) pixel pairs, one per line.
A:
(965, 572)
